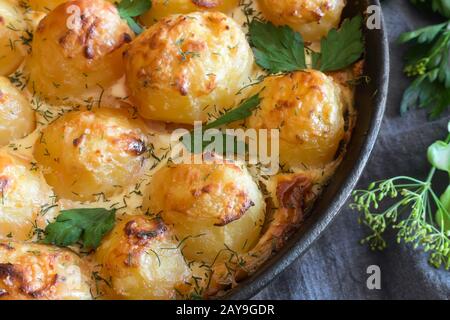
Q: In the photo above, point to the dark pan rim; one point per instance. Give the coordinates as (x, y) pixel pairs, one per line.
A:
(292, 251)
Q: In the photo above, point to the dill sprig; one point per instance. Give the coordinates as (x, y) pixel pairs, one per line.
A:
(412, 207)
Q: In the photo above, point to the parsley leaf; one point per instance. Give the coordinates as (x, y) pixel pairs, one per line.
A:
(87, 225)
(277, 49)
(129, 9)
(243, 111)
(428, 60)
(340, 48)
(240, 113)
(281, 49)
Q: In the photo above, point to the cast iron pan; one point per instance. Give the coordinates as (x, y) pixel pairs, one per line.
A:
(370, 103)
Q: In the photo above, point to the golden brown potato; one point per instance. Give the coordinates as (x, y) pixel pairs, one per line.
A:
(34, 271)
(24, 197)
(142, 260)
(75, 56)
(45, 5)
(212, 206)
(17, 119)
(90, 152)
(12, 27)
(312, 18)
(49, 5)
(184, 65)
(163, 8)
(307, 107)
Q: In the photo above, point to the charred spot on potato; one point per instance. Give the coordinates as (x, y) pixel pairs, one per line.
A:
(89, 52)
(127, 38)
(208, 4)
(76, 142)
(4, 182)
(8, 271)
(136, 147)
(238, 213)
(144, 229)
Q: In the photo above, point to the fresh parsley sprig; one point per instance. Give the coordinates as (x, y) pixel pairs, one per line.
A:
(130, 9)
(412, 207)
(340, 48)
(429, 62)
(277, 49)
(243, 111)
(86, 225)
(281, 49)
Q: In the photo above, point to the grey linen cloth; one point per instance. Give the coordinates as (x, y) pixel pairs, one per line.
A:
(336, 265)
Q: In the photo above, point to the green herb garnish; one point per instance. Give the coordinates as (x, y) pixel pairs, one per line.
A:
(428, 61)
(277, 49)
(412, 207)
(86, 225)
(340, 48)
(243, 111)
(130, 9)
(281, 49)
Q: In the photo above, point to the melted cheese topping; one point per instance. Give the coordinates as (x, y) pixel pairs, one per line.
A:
(280, 190)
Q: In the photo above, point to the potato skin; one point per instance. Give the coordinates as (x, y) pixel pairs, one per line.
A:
(17, 119)
(40, 272)
(84, 58)
(49, 5)
(163, 8)
(90, 152)
(210, 205)
(24, 193)
(312, 18)
(181, 67)
(142, 260)
(308, 109)
(12, 26)
(45, 5)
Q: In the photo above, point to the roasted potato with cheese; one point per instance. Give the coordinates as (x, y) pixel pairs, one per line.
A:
(163, 8)
(312, 18)
(84, 153)
(142, 260)
(12, 28)
(17, 118)
(214, 207)
(25, 197)
(308, 109)
(187, 66)
(40, 272)
(77, 53)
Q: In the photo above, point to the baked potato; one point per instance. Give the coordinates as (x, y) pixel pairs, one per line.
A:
(312, 18)
(85, 153)
(12, 28)
(85, 51)
(25, 197)
(40, 272)
(17, 118)
(163, 8)
(308, 109)
(216, 208)
(187, 66)
(142, 260)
